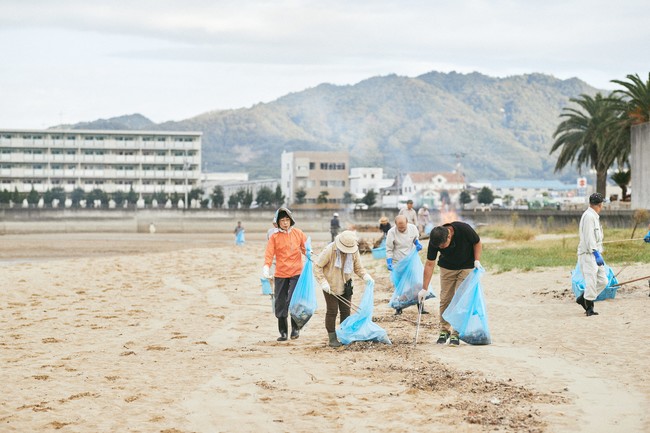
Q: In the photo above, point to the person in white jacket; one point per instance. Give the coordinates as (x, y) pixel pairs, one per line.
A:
(590, 247)
(400, 241)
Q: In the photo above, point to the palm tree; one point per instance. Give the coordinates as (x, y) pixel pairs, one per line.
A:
(592, 136)
(637, 96)
(622, 179)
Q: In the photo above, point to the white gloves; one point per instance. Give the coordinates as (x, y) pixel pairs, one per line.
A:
(265, 272)
(422, 295)
(368, 279)
(477, 265)
(326, 287)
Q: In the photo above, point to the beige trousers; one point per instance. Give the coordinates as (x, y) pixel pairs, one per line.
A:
(449, 282)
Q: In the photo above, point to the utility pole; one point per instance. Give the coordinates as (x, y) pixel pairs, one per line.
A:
(185, 168)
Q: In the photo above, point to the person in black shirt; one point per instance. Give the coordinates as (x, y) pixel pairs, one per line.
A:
(460, 249)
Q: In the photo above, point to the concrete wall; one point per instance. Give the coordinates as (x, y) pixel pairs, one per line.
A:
(258, 220)
(640, 166)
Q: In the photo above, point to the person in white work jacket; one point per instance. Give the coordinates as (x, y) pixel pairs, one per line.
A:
(590, 258)
(400, 241)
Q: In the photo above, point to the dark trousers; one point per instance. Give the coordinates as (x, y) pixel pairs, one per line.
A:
(283, 292)
(334, 305)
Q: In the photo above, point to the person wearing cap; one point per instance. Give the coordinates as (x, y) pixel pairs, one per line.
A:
(590, 247)
(459, 247)
(333, 270)
(287, 245)
(384, 225)
(335, 225)
(400, 241)
(409, 213)
(423, 217)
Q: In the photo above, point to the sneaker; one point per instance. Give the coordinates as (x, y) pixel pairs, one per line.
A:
(454, 340)
(398, 311)
(442, 338)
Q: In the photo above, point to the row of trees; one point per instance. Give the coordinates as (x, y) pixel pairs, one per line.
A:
(597, 133)
(242, 198)
(369, 199)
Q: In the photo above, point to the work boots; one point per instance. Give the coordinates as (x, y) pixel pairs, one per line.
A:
(295, 331)
(589, 308)
(334, 342)
(581, 301)
(282, 327)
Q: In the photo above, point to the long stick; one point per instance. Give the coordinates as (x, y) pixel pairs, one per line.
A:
(623, 240)
(417, 327)
(346, 302)
(631, 281)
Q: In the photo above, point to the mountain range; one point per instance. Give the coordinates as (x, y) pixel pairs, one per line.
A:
(489, 128)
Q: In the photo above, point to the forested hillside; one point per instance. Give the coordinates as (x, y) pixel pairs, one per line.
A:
(498, 128)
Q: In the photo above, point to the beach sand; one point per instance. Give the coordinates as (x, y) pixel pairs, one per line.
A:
(170, 333)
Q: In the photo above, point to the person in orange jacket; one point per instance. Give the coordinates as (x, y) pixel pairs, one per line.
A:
(287, 245)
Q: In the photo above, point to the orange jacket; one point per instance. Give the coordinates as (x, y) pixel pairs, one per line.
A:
(288, 248)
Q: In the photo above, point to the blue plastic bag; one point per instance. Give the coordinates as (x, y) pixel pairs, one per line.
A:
(303, 301)
(266, 286)
(466, 312)
(428, 228)
(380, 251)
(239, 238)
(359, 326)
(407, 279)
(578, 284)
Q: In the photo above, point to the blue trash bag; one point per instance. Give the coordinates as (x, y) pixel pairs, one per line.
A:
(239, 239)
(266, 286)
(578, 284)
(428, 228)
(466, 312)
(303, 301)
(407, 279)
(359, 326)
(380, 251)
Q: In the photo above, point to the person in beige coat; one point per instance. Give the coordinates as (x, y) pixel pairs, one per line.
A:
(333, 270)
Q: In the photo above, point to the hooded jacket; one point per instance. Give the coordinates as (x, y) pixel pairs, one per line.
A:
(287, 246)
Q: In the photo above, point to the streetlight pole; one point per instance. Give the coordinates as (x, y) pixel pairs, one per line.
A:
(185, 168)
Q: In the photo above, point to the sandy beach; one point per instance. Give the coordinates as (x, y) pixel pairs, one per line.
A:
(170, 333)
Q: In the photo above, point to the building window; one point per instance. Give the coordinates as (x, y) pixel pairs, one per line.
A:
(312, 165)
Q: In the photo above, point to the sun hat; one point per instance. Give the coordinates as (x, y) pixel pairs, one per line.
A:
(347, 242)
(383, 220)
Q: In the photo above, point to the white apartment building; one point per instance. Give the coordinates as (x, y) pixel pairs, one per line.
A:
(147, 161)
(364, 179)
(314, 172)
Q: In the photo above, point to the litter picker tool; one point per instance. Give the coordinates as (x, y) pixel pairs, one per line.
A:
(631, 281)
(622, 240)
(417, 327)
(346, 302)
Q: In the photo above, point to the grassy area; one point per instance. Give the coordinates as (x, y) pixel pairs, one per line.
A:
(523, 253)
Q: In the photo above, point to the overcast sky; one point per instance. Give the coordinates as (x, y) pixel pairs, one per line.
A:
(68, 61)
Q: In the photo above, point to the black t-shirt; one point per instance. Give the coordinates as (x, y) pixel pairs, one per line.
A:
(460, 253)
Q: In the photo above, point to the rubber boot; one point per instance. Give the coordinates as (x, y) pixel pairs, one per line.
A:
(334, 342)
(295, 331)
(581, 301)
(282, 327)
(589, 308)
